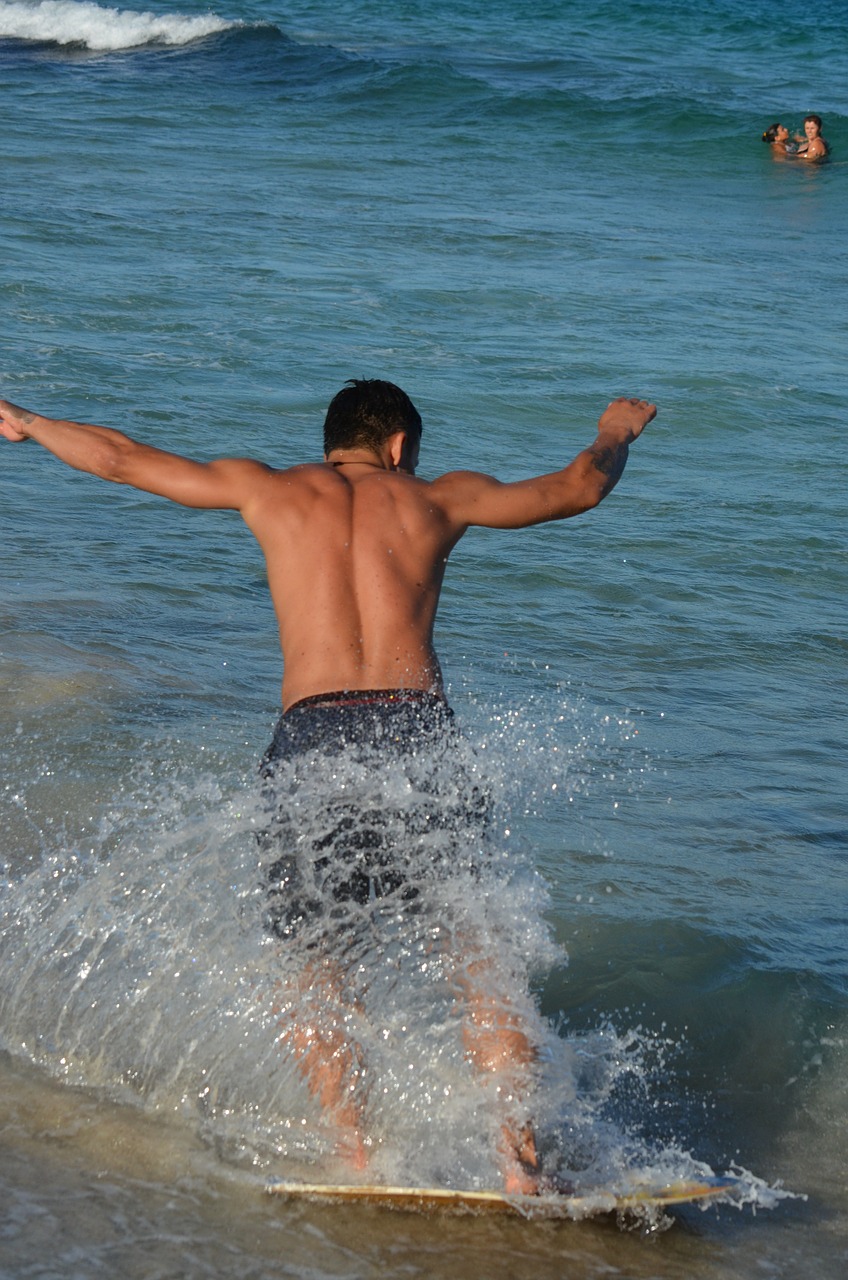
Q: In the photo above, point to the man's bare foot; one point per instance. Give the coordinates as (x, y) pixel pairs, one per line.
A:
(352, 1148)
(520, 1181)
(520, 1161)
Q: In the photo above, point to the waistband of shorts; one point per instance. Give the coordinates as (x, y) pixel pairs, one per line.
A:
(371, 698)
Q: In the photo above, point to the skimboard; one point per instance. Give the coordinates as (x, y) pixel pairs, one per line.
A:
(578, 1204)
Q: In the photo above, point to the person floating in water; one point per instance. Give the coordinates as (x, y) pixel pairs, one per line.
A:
(356, 548)
(777, 136)
(811, 145)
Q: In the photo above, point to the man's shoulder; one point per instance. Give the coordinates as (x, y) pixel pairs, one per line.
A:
(272, 490)
(301, 473)
(457, 495)
(451, 482)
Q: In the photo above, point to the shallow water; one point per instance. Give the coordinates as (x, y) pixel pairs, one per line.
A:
(516, 216)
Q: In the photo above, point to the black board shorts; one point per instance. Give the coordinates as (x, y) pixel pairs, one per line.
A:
(325, 849)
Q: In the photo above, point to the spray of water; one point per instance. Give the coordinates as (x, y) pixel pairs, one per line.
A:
(201, 951)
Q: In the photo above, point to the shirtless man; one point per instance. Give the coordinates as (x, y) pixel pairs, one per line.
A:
(812, 145)
(356, 548)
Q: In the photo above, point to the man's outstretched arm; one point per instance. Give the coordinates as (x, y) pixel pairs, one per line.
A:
(474, 499)
(111, 455)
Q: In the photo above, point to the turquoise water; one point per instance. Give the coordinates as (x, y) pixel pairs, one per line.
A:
(211, 219)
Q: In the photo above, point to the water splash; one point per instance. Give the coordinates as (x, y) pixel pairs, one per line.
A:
(141, 964)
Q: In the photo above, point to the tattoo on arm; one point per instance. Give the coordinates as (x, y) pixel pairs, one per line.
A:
(609, 459)
(25, 414)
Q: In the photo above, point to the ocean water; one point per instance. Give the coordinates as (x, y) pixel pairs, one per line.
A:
(212, 217)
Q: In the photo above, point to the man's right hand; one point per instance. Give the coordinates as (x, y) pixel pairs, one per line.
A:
(13, 421)
(626, 418)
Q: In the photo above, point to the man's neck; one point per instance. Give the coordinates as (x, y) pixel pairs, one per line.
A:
(356, 458)
(356, 462)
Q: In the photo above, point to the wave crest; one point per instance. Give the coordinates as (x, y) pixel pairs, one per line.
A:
(102, 29)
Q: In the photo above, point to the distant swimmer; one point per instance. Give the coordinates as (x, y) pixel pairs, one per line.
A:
(777, 136)
(356, 548)
(811, 145)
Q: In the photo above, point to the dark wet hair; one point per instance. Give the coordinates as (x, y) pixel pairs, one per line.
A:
(366, 412)
(770, 134)
(816, 121)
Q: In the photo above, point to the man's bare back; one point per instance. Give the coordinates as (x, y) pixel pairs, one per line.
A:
(355, 546)
(356, 556)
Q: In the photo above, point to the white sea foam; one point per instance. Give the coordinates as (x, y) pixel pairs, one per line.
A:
(102, 29)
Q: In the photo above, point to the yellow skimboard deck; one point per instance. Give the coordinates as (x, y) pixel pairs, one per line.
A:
(582, 1204)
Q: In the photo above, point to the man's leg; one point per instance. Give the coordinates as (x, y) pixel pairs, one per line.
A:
(313, 1026)
(313, 1016)
(498, 1045)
